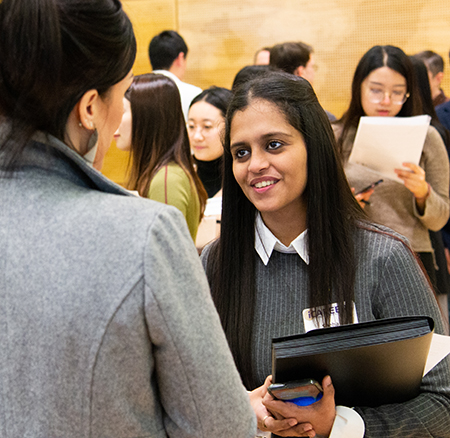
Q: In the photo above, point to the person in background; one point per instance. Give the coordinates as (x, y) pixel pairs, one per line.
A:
(105, 304)
(262, 56)
(153, 129)
(296, 58)
(205, 123)
(435, 67)
(295, 241)
(168, 56)
(384, 85)
(442, 274)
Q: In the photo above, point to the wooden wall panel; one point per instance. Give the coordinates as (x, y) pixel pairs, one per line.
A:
(223, 35)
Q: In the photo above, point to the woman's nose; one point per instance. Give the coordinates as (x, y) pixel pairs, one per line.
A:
(258, 162)
(198, 134)
(386, 98)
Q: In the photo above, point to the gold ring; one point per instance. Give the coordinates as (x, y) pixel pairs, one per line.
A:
(264, 421)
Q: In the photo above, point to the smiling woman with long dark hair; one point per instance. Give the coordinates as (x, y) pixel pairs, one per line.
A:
(294, 241)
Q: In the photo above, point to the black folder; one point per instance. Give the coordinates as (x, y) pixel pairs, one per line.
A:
(370, 364)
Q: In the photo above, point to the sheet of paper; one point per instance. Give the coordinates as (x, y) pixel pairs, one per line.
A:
(439, 348)
(384, 143)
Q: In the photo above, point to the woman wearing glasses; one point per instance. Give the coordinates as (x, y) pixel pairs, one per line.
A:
(384, 85)
(206, 119)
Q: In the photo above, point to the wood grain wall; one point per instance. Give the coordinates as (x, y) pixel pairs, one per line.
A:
(223, 36)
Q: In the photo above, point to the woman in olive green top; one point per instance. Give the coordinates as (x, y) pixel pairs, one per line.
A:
(153, 129)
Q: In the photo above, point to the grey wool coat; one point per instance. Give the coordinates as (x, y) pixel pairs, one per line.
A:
(107, 328)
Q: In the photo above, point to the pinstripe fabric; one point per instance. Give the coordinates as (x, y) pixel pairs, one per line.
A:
(388, 283)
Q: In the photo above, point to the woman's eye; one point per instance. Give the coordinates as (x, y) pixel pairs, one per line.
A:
(376, 91)
(398, 93)
(274, 144)
(240, 153)
(207, 127)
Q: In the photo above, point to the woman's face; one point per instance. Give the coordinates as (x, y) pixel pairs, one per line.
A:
(123, 133)
(269, 161)
(383, 92)
(110, 115)
(205, 122)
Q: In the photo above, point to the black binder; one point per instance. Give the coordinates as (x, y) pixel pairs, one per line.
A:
(370, 364)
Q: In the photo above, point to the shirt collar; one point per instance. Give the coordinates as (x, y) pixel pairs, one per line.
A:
(169, 74)
(266, 243)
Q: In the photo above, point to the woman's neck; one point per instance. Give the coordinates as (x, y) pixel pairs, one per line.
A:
(284, 229)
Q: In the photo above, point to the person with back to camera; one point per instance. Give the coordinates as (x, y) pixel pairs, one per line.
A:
(298, 59)
(105, 304)
(153, 128)
(168, 56)
(205, 122)
(384, 85)
(293, 237)
(435, 68)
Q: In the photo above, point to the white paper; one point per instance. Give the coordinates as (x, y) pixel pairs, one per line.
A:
(384, 143)
(439, 348)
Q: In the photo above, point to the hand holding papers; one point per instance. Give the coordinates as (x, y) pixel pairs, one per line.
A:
(385, 143)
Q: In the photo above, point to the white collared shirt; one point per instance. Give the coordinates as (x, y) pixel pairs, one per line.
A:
(266, 242)
(348, 423)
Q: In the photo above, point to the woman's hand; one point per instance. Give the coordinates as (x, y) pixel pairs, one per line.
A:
(414, 180)
(274, 423)
(320, 415)
(363, 198)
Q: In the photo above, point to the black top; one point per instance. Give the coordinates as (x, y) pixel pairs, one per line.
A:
(210, 173)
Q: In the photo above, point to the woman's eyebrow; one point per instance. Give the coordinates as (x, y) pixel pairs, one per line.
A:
(382, 85)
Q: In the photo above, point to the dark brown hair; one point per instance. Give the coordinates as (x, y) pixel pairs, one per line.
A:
(289, 56)
(158, 134)
(331, 216)
(51, 53)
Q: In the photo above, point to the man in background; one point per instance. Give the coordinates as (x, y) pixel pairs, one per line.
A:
(167, 52)
(298, 59)
(435, 66)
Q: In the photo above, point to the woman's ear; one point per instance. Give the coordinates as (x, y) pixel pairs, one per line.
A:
(81, 122)
(87, 109)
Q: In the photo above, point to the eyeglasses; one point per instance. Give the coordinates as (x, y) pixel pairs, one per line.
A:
(377, 95)
(205, 130)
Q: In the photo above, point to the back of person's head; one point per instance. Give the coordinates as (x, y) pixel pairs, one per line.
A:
(51, 53)
(289, 56)
(164, 49)
(250, 72)
(158, 133)
(433, 61)
(423, 84)
(375, 58)
(218, 97)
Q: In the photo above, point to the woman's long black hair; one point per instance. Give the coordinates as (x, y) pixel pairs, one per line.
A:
(331, 217)
(51, 53)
